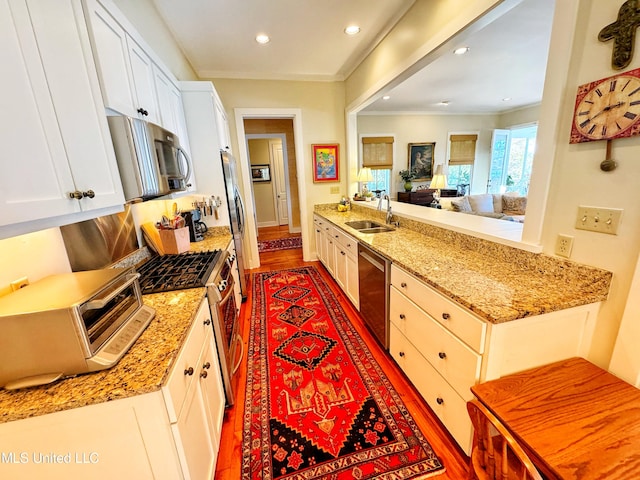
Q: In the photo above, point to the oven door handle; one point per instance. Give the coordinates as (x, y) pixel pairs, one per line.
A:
(237, 365)
(99, 303)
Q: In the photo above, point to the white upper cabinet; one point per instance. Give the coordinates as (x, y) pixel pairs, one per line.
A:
(55, 138)
(110, 42)
(142, 69)
(134, 81)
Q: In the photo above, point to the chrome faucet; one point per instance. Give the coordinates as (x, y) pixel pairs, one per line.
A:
(380, 201)
(389, 214)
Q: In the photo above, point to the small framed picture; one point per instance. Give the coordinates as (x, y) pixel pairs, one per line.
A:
(421, 159)
(325, 162)
(260, 173)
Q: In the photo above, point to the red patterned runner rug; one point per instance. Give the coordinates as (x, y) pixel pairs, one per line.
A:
(280, 244)
(318, 404)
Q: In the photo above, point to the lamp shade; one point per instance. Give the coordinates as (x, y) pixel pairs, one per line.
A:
(364, 175)
(439, 180)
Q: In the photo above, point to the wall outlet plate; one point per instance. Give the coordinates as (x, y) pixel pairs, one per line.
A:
(599, 219)
(564, 244)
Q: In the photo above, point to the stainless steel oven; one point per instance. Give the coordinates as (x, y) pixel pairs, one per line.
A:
(213, 271)
(224, 311)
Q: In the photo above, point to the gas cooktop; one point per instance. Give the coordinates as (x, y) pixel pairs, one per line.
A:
(177, 272)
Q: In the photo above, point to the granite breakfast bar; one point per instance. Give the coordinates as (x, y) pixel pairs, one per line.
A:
(497, 282)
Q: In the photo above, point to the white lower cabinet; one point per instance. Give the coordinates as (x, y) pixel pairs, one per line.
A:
(444, 349)
(169, 434)
(338, 252)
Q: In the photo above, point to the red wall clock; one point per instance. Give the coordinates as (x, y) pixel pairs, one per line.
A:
(608, 108)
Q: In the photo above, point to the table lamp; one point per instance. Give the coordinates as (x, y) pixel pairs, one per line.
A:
(364, 177)
(438, 181)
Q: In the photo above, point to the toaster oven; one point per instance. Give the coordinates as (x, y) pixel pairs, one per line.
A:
(69, 324)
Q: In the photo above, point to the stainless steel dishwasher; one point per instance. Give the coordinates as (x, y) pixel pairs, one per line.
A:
(373, 273)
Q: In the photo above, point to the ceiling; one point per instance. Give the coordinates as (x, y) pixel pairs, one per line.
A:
(507, 58)
(307, 37)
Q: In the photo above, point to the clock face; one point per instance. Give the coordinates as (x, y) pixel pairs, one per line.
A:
(607, 109)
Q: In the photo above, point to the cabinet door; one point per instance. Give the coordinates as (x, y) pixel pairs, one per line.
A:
(212, 392)
(222, 125)
(340, 265)
(63, 42)
(53, 128)
(193, 437)
(112, 59)
(142, 71)
(353, 289)
(37, 177)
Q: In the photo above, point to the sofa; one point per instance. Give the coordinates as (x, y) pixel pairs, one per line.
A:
(508, 206)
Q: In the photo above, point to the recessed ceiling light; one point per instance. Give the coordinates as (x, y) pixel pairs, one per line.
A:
(262, 39)
(461, 50)
(352, 30)
(386, 97)
(444, 103)
(506, 99)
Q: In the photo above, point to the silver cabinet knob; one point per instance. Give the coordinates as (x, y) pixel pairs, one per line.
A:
(89, 193)
(77, 195)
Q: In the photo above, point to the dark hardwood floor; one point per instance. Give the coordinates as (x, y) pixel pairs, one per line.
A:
(229, 459)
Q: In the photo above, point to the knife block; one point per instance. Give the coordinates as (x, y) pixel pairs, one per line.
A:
(175, 241)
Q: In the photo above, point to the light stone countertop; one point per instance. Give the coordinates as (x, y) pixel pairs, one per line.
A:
(497, 282)
(143, 369)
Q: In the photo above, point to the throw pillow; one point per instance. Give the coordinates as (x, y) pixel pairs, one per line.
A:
(481, 203)
(461, 205)
(514, 205)
(497, 202)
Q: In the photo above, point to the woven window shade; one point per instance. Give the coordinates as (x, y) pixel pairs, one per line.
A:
(463, 149)
(377, 152)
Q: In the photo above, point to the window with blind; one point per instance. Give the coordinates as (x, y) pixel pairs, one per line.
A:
(462, 155)
(377, 152)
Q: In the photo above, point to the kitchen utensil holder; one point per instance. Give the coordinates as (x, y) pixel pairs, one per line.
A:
(175, 241)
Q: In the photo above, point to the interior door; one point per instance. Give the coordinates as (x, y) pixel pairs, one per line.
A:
(280, 177)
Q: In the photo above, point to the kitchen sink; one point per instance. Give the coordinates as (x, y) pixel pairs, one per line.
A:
(368, 226)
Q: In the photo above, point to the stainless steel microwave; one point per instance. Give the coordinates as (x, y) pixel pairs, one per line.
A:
(69, 324)
(150, 159)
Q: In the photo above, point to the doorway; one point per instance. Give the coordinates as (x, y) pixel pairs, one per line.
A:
(271, 191)
(271, 122)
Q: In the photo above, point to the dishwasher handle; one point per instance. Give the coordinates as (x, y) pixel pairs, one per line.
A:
(373, 261)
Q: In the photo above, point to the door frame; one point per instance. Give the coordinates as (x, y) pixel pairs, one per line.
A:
(295, 114)
(285, 160)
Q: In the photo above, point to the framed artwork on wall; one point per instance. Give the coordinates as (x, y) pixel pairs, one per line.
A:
(421, 159)
(260, 173)
(325, 162)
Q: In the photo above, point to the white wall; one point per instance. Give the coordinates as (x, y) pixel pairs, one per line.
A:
(521, 116)
(432, 128)
(578, 180)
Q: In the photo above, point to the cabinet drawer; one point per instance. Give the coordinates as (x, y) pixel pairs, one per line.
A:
(455, 361)
(465, 325)
(186, 367)
(450, 407)
(347, 242)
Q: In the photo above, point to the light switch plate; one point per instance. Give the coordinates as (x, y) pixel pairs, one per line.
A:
(599, 219)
